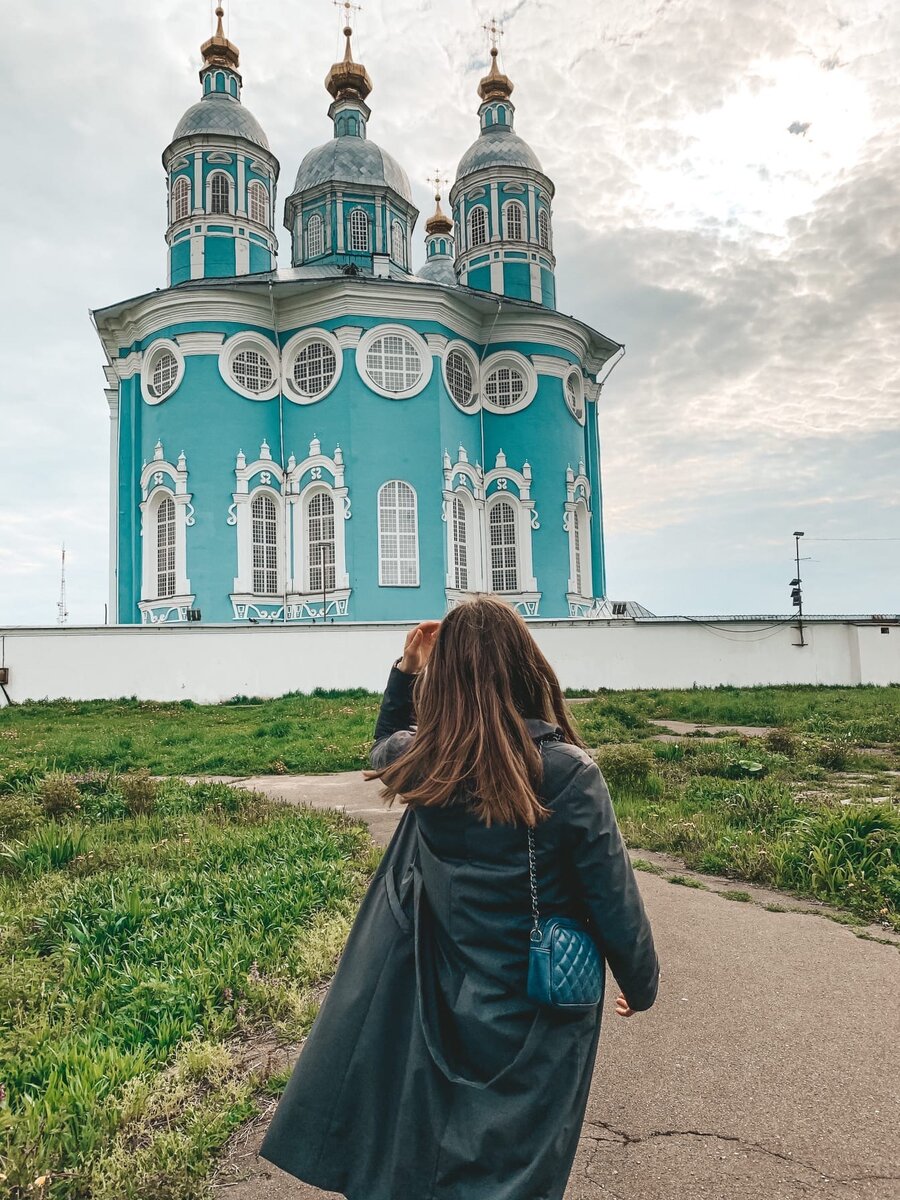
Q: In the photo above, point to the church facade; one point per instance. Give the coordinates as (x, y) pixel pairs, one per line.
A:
(347, 439)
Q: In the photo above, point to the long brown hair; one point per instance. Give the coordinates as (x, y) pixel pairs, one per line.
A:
(486, 675)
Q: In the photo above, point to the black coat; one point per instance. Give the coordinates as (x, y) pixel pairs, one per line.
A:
(428, 1074)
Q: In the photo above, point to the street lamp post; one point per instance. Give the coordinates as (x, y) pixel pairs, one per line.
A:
(796, 587)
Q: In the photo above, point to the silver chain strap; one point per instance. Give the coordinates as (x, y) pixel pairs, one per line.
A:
(532, 872)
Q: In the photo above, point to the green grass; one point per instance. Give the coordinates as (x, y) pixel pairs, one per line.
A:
(299, 734)
(135, 953)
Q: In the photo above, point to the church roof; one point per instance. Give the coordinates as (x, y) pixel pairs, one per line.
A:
(352, 160)
(439, 269)
(218, 113)
(497, 147)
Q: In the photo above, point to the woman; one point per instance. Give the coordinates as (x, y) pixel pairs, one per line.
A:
(429, 1074)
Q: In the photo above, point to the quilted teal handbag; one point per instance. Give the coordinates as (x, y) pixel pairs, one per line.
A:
(565, 968)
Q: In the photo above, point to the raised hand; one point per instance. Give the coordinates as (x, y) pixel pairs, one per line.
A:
(418, 647)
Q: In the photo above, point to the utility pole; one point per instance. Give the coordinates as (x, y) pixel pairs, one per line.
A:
(796, 587)
(62, 613)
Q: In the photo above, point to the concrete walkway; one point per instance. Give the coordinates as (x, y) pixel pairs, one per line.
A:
(769, 1068)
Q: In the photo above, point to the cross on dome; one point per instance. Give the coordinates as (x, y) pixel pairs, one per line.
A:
(218, 51)
(495, 85)
(438, 222)
(348, 79)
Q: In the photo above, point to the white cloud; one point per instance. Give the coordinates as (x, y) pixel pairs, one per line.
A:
(751, 271)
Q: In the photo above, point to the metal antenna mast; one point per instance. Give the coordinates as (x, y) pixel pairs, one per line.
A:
(62, 613)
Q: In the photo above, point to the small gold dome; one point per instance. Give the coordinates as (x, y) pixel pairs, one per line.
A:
(495, 85)
(348, 79)
(438, 222)
(218, 51)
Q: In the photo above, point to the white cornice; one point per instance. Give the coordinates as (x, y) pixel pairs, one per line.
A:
(200, 343)
(546, 364)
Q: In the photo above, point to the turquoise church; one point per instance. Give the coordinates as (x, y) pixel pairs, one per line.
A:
(347, 438)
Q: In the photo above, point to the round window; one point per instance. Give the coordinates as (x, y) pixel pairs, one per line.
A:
(573, 395)
(393, 363)
(163, 374)
(504, 387)
(459, 379)
(314, 368)
(252, 371)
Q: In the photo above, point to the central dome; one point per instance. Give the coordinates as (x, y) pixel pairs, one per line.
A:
(219, 113)
(497, 147)
(352, 160)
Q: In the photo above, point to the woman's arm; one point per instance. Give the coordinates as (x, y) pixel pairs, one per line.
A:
(394, 729)
(606, 883)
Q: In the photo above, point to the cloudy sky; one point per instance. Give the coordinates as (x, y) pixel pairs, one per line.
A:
(728, 206)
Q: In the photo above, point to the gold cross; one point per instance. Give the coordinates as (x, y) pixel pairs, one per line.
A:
(348, 8)
(494, 32)
(438, 180)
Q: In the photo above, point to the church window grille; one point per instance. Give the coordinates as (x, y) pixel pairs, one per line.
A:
(259, 203)
(181, 198)
(164, 374)
(359, 230)
(514, 214)
(315, 236)
(398, 243)
(165, 548)
(393, 363)
(398, 553)
(544, 229)
(459, 379)
(320, 542)
(504, 566)
(220, 193)
(460, 545)
(573, 396)
(478, 225)
(314, 368)
(504, 387)
(264, 534)
(253, 371)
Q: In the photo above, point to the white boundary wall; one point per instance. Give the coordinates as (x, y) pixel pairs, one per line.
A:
(210, 663)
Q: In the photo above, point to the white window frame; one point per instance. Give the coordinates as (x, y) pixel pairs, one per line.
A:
(289, 356)
(577, 517)
(496, 501)
(309, 565)
(545, 236)
(166, 503)
(186, 190)
(316, 467)
(249, 341)
(470, 230)
(254, 188)
(160, 481)
(315, 222)
(267, 477)
(473, 509)
(398, 559)
(514, 361)
(352, 232)
(577, 380)
(472, 362)
(508, 208)
(398, 239)
(265, 496)
(209, 193)
(150, 356)
(425, 358)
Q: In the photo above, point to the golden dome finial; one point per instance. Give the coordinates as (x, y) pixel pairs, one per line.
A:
(218, 51)
(348, 79)
(495, 85)
(438, 222)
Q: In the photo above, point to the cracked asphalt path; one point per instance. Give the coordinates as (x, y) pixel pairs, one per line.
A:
(769, 1068)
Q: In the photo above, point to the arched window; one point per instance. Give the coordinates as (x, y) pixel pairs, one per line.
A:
(398, 550)
(264, 543)
(504, 556)
(460, 545)
(320, 542)
(398, 243)
(181, 198)
(578, 550)
(315, 236)
(544, 229)
(165, 548)
(478, 225)
(359, 230)
(514, 214)
(258, 198)
(220, 193)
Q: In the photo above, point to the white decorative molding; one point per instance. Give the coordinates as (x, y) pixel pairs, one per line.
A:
(512, 360)
(162, 612)
(161, 480)
(435, 342)
(577, 524)
(127, 366)
(219, 156)
(289, 354)
(573, 393)
(469, 354)
(248, 340)
(151, 357)
(348, 336)
(199, 343)
(304, 481)
(549, 364)
(426, 362)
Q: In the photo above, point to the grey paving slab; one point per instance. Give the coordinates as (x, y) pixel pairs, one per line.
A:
(768, 1069)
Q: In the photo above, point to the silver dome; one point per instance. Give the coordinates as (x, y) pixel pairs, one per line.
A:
(497, 147)
(219, 114)
(438, 269)
(352, 160)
